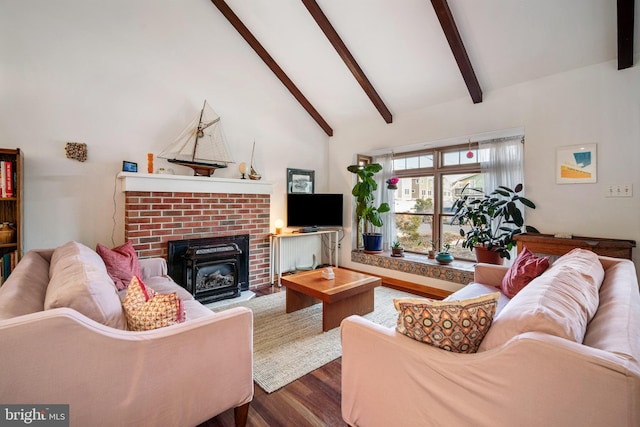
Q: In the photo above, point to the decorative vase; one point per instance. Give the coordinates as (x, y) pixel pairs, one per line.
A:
(431, 254)
(7, 234)
(487, 256)
(372, 242)
(444, 257)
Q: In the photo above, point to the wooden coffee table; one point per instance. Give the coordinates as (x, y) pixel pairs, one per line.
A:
(348, 293)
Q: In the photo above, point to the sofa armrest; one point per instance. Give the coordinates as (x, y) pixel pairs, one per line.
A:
(489, 274)
(390, 379)
(178, 375)
(151, 267)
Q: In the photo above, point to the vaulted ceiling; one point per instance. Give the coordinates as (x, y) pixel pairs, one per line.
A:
(351, 59)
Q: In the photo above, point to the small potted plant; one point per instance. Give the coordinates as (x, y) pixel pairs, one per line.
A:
(443, 256)
(493, 219)
(366, 210)
(431, 253)
(397, 250)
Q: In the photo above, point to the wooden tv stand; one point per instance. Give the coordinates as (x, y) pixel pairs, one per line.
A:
(549, 245)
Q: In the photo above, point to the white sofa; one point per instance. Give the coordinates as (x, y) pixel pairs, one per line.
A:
(529, 378)
(82, 354)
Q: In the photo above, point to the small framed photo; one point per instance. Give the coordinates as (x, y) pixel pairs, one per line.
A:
(300, 181)
(129, 166)
(576, 164)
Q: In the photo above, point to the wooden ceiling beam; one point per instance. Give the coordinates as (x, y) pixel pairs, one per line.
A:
(271, 63)
(344, 53)
(450, 29)
(625, 33)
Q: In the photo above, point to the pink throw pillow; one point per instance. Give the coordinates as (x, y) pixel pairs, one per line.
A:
(121, 262)
(525, 268)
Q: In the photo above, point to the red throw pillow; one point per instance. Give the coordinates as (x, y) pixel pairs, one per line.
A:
(526, 267)
(121, 262)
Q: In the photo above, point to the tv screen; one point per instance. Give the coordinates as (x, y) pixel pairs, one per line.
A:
(314, 210)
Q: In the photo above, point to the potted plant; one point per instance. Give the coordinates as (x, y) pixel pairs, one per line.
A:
(431, 253)
(493, 220)
(366, 210)
(443, 256)
(397, 250)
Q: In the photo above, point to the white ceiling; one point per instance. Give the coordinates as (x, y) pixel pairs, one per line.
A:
(402, 49)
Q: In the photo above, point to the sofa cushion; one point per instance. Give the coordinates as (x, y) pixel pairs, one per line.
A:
(619, 307)
(121, 262)
(145, 309)
(25, 289)
(79, 280)
(457, 326)
(559, 302)
(524, 269)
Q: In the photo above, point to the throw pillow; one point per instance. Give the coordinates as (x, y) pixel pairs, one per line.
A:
(145, 309)
(457, 326)
(525, 268)
(121, 262)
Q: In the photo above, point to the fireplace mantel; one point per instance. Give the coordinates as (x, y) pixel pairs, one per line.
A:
(132, 181)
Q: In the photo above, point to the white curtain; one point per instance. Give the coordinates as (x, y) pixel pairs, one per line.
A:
(385, 195)
(501, 162)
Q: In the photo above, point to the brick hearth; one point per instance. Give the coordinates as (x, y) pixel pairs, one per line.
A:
(152, 218)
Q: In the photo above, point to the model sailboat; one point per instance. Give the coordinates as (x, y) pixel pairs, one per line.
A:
(201, 146)
(253, 174)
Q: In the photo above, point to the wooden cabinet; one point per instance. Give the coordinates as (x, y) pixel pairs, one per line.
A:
(11, 190)
(549, 245)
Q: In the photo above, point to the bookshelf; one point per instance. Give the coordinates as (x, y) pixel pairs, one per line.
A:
(11, 210)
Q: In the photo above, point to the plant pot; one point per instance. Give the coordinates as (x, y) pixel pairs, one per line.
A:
(397, 252)
(488, 256)
(444, 257)
(372, 242)
(431, 254)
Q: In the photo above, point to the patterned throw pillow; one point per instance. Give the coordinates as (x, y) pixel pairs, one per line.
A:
(457, 326)
(145, 309)
(121, 262)
(526, 267)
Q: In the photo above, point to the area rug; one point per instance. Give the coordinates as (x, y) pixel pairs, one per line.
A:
(289, 346)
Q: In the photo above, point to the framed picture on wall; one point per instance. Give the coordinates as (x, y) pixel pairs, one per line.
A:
(300, 181)
(576, 164)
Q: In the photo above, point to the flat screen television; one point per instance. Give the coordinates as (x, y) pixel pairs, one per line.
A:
(314, 210)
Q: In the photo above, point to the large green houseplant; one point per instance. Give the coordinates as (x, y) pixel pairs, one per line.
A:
(366, 210)
(492, 219)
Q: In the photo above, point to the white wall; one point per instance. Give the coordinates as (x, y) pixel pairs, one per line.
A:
(125, 78)
(596, 104)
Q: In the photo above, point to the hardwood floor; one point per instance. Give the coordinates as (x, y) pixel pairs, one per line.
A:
(313, 400)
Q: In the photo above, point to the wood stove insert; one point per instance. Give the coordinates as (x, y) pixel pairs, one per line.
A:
(211, 269)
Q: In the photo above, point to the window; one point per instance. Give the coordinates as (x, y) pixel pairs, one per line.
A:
(430, 182)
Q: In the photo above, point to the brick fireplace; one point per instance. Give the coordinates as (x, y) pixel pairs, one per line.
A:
(163, 208)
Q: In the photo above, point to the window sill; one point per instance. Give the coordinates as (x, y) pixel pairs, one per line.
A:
(458, 271)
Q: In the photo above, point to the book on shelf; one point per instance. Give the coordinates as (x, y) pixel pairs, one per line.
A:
(7, 183)
(7, 264)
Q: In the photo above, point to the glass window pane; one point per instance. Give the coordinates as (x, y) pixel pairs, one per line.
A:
(412, 163)
(451, 159)
(426, 161)
(414, 195)
(451, 235)
(414, 232)
(469, 156)
(399, 164)
(453, 184)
